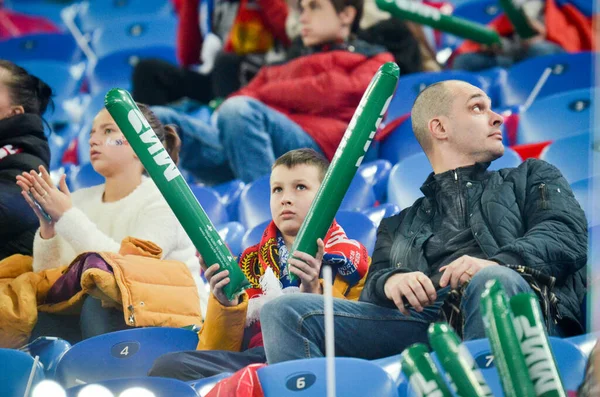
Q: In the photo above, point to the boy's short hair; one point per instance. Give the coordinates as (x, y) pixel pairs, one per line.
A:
(303, 156)
(339, 6)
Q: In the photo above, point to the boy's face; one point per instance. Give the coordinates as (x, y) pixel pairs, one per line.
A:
(292, 193)
(322, 24)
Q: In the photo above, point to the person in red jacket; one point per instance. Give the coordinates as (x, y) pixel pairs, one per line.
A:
(306, 102)
(217, 58)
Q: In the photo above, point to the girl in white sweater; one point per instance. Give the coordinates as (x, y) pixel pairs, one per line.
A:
(98, 218)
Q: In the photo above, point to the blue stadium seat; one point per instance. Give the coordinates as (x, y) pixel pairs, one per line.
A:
(119, 47)
(84, 176)
(95, 14)
(376, 173)
(556, 116)
(359, 227)
(254, 206)
(400, 144)
(582, 190)
(122, 354)
(15, 367)
(360, 195)
(497, 79)
(253, 235)
(157, 386)
(393, 366)
(573, 156)
(135, 33)
(49, 350)
(585, 342)
(94, 104)
(569, 72)
(45, 46)
(254, 201)
(204, 386)
(210, 201)
(354, 377)
(376, 214)
(410, 86)
(232, 233)
(356, 225)
(480, 11)
(406, 178)
(230, 193)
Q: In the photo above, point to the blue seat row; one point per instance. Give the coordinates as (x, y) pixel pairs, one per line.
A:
(121, 360)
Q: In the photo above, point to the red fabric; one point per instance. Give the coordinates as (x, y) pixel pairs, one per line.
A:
(255, 260)
(511, 124)
(569, 27)
(249, 34)
(565, 26)
(390, 127)
(275, 13)
(189, 38)
(530, 150)
(320, 92)
(15, 24)
(8, 150)
(272, 14)
(244, 383)
(70, 155)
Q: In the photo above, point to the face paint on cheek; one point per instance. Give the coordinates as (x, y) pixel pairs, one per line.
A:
(116, 142)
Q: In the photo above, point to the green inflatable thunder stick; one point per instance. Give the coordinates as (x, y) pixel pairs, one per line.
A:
(173, 187)
(347, 159)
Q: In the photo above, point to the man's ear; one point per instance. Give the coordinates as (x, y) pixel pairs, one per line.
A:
(347, 16)
(438, 128)
(17, 110)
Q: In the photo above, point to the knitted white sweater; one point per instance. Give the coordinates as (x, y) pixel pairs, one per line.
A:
(92, 225)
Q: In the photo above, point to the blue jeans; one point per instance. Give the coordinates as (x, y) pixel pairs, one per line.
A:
(247, 136)
(475, 61)
(293, 326)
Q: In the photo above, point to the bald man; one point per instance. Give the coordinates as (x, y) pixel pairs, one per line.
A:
(521, 226)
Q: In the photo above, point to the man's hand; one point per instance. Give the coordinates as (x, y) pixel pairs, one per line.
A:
(217, 281)
(462, 270)
(416, 287)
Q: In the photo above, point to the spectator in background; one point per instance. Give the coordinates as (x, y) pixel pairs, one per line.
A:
(241, 33)
(403, 39)
(100, 217)
(307, 101)
(559, 28)
(231, 337)
(23, 146)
